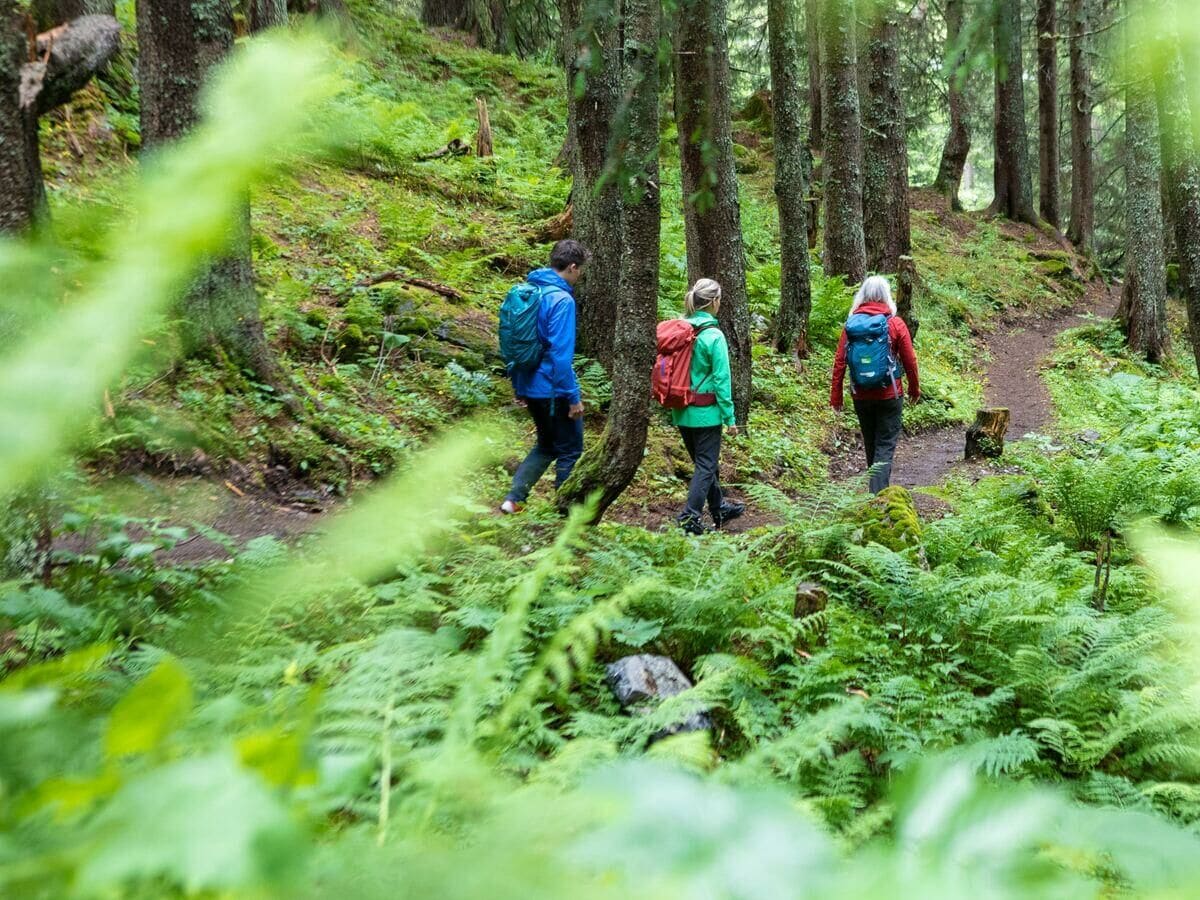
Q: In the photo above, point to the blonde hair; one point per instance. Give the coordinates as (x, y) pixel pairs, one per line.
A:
(704, 293)
(874, 289)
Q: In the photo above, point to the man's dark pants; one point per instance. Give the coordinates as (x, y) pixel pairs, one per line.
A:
(880, 423)
(704, 447)
(559, 441)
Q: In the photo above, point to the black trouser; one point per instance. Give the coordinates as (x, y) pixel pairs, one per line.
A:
(880, 424)
(559, 441)
(704, 447)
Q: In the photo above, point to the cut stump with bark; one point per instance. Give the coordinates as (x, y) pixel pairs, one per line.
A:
(811, 598)
(985, 437)
(483, 138)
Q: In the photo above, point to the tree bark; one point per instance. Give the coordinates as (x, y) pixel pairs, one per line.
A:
(1012, 178)
(812, 29)
(1181, 173)
(958, 141)
(594, 95)
(1081, 229)
(22, 194)
(179, 42)
(67, 59)
(49, 14)
(885, 143)
(845, 249)
(1143, 309)
(611, 465)
(712, 216)
(266, 14)
(791, 180)
(444, 13)
(1047, 78)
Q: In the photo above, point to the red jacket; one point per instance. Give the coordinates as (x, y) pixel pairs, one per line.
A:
(901, 347)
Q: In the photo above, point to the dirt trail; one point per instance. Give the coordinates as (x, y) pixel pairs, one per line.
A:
(1017, 350)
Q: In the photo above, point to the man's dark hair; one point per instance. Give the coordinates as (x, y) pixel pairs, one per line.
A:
(566, 253)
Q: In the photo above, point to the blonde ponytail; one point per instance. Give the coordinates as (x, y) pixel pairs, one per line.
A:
(704, 293)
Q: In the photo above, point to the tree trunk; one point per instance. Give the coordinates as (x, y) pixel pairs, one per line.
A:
(712, 216)
(179, 42)
(1012, 179)
(1143, 309)
(611, 465)
(1083, 180)
(22, 195)
(845, 250)
(594, 95)
(444, 13)
(1181, 173)
(265, 14)
(791, 181)
(812, 29)
(1047, 78)
(49, 14)
(885, 143)
(958, 141)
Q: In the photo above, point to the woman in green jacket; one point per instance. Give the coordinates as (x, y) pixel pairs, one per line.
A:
(700, 423)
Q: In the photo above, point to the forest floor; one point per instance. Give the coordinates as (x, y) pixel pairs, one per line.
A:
(1017, 350)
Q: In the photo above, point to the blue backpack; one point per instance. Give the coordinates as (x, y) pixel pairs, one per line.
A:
(869, 351)
(520, 347)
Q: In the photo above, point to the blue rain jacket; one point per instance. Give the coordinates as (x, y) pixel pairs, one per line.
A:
(555, 375)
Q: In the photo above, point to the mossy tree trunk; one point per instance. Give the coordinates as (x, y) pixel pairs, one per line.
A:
(1012, 179)
(610, 465)
(1047, 79)
(791, 180)
(1181, 173)
(179, 42)
(958, 140)
(22, 194)
(712, 216)
(1081, 229)
(594, 95)
(1143, 309)
(885, 142)
(845, 249)
(812, 18)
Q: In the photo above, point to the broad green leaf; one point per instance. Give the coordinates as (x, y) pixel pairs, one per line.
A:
(204, 824)
(152, 709)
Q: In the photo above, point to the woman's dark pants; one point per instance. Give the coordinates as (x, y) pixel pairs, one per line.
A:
(880, 423)
(704, 447)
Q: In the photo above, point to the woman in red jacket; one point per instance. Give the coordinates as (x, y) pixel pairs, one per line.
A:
(879, 409)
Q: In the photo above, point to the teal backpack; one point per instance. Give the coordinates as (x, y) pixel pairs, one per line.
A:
(869, 351)
(520, 347)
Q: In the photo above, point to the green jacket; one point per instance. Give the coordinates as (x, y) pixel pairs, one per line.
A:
(710, 374)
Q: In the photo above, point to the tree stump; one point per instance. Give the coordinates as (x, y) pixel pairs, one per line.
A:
(483, 138)
(985, 437)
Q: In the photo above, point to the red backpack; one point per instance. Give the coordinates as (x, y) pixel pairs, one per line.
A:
(672, 377)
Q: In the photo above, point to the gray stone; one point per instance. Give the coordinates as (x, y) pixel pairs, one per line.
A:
(637, 680)
(1090, 436)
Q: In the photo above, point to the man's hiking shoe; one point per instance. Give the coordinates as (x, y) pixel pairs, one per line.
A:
(729, 512)
(510, 507)
(691, 524)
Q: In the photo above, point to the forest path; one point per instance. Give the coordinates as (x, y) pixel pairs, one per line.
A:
(1017, 350)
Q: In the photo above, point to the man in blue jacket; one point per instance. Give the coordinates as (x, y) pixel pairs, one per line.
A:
(551, 391)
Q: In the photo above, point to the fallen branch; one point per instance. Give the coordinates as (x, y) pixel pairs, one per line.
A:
(401, 277)
(556, 227)
(456, 147)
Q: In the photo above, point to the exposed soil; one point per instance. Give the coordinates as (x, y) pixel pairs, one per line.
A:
(660, 515)
(213, 503)
(1017, 350)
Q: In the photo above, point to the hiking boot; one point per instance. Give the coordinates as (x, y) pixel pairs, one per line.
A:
(511, 507)
(691, 524)
(729, 512)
